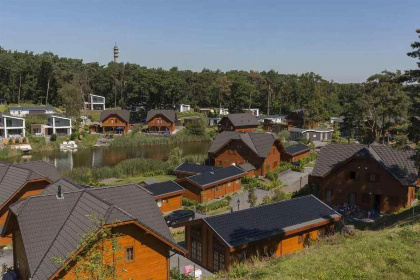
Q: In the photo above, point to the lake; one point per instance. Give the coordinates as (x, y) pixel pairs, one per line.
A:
(108, 156)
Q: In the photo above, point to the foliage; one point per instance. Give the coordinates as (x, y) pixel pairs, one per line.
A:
(336, 135)
(176, 275)
(279, 195)
(197, 126)
(271, 175)
(97, 246)
(391, 253)
(188, 202)
(53, 137)
(213, 205)
(125, 168)
(284, 135)
(175, 156)
(252, 198)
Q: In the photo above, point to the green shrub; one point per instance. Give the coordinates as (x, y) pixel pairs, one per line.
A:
(53, 137)
(271, 175)
(188, 202)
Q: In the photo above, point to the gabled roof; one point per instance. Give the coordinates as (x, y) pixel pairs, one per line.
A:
(396, 162)
(259, 143)
(149, 181)
(66, 186)
(163, 188)
(169, 114)
(192, 168)
(296, 149)
(241, 227)
(53, 228)
(212, 177)
(31, 108)
(123, 114)
(14, 176)
(242, 119)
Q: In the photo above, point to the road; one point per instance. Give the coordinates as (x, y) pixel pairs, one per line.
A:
(292, 179)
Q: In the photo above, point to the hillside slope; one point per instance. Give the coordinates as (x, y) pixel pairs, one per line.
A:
(390, 253)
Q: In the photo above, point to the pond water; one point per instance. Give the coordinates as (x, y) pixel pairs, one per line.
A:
(108, 156)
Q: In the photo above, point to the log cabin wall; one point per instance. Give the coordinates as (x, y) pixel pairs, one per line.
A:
(170, 202)
(209, 193)
(151, 256)
(160, 124)
(354, 181)
(112, 122)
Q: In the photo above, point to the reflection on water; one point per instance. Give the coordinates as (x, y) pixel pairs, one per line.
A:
(107, 156)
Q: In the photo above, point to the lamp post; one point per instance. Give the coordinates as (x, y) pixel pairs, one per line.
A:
(239, 203)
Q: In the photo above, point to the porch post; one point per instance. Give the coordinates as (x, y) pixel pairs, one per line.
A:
(53, 125)
(5, 128)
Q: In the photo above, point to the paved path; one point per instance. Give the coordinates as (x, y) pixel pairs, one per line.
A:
(243, 197)
(6, 256)
(292, 179)
(179, 261)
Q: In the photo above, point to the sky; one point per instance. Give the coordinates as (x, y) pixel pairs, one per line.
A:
(344, 41)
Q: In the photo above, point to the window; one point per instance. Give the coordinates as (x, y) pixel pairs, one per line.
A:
(352, 199)
(9, 122)
(232, 151)
(196, 251)
(218, 260)
(166, 200)
(300, 240)
(328, 196)
(352, 175)
(129, 254)
(372, 177)
(217, 188)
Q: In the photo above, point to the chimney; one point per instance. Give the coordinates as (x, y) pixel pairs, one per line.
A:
(59, 193)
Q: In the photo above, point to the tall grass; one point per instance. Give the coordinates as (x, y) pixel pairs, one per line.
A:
(138, 139)
(126, 168)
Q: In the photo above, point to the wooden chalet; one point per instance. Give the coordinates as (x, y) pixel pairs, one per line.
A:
(168, 195)
(18, 181)
(189, 169)
(248, 168)
(161, 121)
(372, 177)
(115, 121)
(52, 226)
(296, 119)
(276, 229)
(243, 122)
(262, 150)
(210, 185)
(295, 152)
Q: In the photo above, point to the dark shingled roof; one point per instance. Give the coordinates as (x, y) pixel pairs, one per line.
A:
(242, 119)
(169, 114)
(52, 228)
(66, 186)
(259, 143)
(297, 149)
(123, 114)
(398, 163)
(246, 166)
(217, 175)
(162, 188)
(14, 176)
(194, 168)
(241, 227)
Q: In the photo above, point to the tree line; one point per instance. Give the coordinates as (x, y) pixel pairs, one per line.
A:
(65, 82)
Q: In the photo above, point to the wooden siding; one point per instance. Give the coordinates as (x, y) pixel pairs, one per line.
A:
(391, 194)
(277, 246)
(112, 122)
(201, 195)
(170, 202)
(236, 152)
(31, 188)
(159, 124)
(151, 256)
(289, 158)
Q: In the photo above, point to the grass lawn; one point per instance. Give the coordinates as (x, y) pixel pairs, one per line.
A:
(94, 114)
(219, 211)
(390, 253)
(159, 178)
(179, 235)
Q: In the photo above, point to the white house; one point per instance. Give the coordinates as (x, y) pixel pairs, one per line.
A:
(11, 126)
(56, 125)
(184, 108)
(96, 102)
(254, 111)
(273, 118)
(21, 111)
(338, 120)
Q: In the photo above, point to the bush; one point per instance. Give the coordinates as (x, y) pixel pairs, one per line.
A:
(188, 202)
(74, 136)
(271, 175)
(213, 205)
(196, 127)
(53, 137)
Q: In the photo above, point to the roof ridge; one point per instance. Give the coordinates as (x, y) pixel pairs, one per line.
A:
(58, 232)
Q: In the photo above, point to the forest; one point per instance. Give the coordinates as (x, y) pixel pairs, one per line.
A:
(46, 78)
